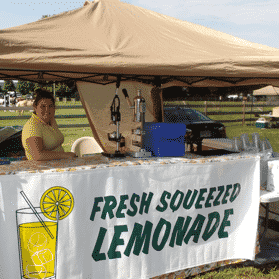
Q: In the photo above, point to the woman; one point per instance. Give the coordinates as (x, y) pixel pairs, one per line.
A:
(41, 137)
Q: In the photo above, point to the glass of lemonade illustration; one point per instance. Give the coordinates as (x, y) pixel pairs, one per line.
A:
(37, 230)
(36, 246)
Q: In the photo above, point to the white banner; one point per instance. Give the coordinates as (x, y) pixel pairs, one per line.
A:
(135, 221)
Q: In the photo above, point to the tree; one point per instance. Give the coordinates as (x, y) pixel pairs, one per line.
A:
(62, 90)
(8, 86)
(36, 86)
(21, 87)
(25, 87)
(73, 91)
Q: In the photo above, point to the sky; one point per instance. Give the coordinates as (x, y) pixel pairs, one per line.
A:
(256, 21)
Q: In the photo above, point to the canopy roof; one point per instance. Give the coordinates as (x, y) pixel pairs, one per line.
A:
(107, 38)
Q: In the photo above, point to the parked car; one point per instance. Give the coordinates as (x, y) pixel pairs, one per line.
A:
(198, 125)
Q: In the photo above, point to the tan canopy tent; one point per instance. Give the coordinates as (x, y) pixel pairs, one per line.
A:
(271, 94)
(267, 90)
(108, 39)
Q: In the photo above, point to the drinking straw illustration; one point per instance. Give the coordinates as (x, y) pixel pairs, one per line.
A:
(36, 213)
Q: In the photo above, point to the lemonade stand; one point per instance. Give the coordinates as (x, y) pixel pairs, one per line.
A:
(132, 218)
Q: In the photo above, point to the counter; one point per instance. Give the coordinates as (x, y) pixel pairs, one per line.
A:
(135, 218)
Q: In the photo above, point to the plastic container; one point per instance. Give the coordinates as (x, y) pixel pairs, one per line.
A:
(11, 159)
(262, 123)
(4, 162)
(164, 139)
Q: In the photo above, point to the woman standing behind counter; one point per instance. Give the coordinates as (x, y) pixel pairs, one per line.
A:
(41, 137)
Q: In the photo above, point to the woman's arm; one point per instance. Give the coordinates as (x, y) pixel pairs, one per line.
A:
(35, 146)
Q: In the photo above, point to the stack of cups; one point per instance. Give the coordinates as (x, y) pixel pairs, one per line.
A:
(256, 141)
(237, 146)
(245, 142)
(266, 145)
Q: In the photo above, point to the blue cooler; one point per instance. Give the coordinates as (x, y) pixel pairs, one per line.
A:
(164, 139)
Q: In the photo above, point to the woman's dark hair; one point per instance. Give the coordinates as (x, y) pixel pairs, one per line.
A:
(42, 94)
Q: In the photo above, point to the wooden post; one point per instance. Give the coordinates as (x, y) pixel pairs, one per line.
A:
(243, 110)
(54, 95)
(219, 103)
(205, 107)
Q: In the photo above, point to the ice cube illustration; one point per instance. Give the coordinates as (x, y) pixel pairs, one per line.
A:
(42, 257)
(46, 256)
(37, 241)
(35, 272)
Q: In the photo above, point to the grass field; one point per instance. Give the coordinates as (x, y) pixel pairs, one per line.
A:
(241, 272)
(233, 130)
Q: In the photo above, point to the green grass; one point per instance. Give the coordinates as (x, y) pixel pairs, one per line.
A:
(233, 129)
(239, 271)
(70, 135)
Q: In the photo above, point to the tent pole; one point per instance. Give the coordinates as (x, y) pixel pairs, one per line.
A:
(252, 105)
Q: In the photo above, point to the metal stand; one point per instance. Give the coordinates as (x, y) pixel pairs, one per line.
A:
(139, 117)
(115, 117)
(140, 154)
(117, 154)
(266, 219)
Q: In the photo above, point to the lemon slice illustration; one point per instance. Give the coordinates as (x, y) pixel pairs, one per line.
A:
(57, 200)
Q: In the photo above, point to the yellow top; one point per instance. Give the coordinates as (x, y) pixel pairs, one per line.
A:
(51, 136)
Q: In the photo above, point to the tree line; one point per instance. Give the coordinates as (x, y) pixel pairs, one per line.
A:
(28, 87)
